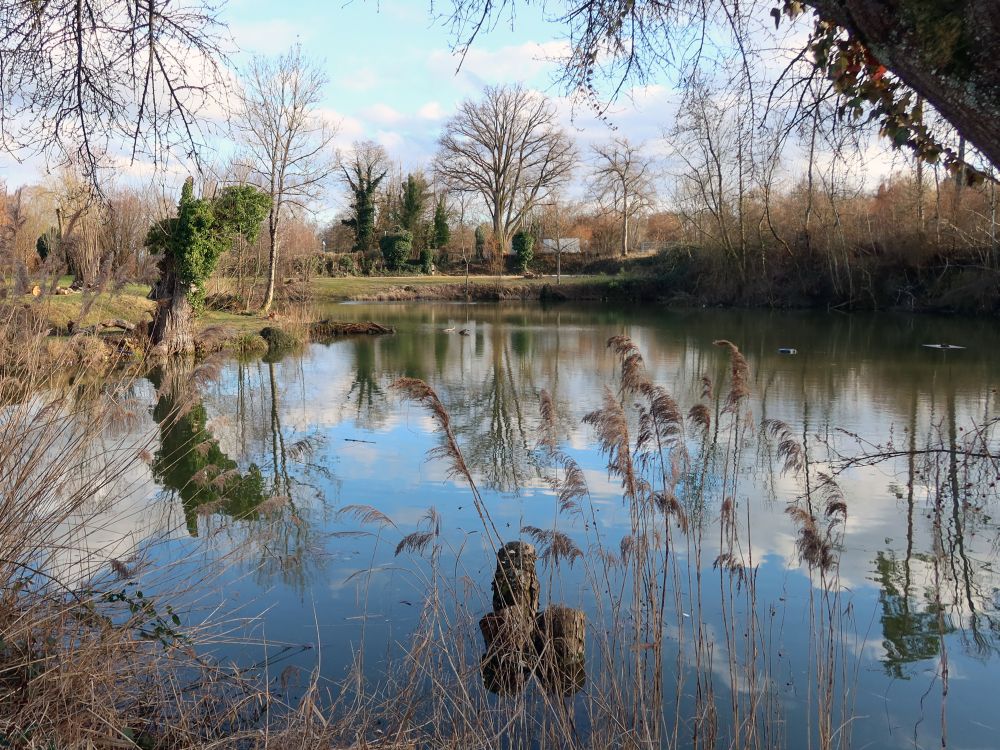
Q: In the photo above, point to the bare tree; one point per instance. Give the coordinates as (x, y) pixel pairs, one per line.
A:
(289, 144)
(508, 149)
(82, 77)
(946, 55)
(623, 182)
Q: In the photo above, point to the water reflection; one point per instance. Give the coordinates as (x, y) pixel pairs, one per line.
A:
(189, 461)
(262, 498)
(288, 442)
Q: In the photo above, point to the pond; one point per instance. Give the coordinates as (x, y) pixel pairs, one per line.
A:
(284, 487)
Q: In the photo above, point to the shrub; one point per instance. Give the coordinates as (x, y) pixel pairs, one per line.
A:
(248, 343)
(523, 245)
(396, 249)
(426, 260)
(279, 341)
(348, 265)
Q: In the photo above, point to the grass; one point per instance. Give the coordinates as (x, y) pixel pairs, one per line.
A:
(340, 289)
(130, 302)
(83, 309)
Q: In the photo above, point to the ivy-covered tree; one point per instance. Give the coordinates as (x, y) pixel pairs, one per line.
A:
(241, 209)
(523, 245)
(190, 245)
(441, 234)
(363, 174)
(412, 202)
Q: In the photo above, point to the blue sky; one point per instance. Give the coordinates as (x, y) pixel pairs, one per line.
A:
(393, 76)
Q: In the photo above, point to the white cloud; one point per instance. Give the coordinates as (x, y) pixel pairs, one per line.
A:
(270, 37)
(431, 111)
(381, 114)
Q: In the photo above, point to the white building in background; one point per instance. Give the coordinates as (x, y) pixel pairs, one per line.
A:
(561, 244)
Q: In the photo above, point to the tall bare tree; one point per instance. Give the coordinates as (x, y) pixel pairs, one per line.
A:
(508, 149)
(623, 182)
(289, 144)
(79, 79)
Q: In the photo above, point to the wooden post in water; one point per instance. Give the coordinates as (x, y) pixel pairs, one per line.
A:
(515, 583)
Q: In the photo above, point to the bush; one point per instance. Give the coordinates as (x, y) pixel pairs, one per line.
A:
(523, 245)
(279, 341)
(426, 260)
(396, 249)
(348, 265)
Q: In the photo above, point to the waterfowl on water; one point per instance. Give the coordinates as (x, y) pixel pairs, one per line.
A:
(450, 330)
(464, 332)
(787, 350)
(943, 346)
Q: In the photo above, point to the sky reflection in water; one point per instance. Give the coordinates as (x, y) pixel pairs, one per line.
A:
(325, 430)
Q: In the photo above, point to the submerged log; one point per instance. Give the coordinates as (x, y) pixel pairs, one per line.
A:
(99, 327)
(329, 328)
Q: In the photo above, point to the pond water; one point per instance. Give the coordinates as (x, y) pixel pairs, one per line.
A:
(914, 592)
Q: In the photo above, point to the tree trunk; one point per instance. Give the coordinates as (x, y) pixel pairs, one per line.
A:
(171, 331)
(625, 234)
(962, 82)
(272, 263)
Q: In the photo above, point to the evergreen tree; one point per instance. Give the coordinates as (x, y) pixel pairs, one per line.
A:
(480, 243)
(442, 233)
(412, 202)
(46, 244)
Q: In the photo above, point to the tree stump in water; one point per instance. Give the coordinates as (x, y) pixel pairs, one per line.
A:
(519, 640)
(508, 659)
(515, 583)
(559, 641)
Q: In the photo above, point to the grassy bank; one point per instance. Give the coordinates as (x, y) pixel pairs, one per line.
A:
(680, 276)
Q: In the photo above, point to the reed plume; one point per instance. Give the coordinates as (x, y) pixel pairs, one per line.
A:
(739, 375)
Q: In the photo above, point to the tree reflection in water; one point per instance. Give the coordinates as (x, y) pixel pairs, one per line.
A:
(257, 502)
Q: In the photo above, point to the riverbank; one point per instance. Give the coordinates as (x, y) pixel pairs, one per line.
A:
(680, 278)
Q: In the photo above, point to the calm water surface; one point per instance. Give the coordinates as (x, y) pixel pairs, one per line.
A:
(917, 579)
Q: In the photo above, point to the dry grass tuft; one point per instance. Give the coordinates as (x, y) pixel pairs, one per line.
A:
(554, 544)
